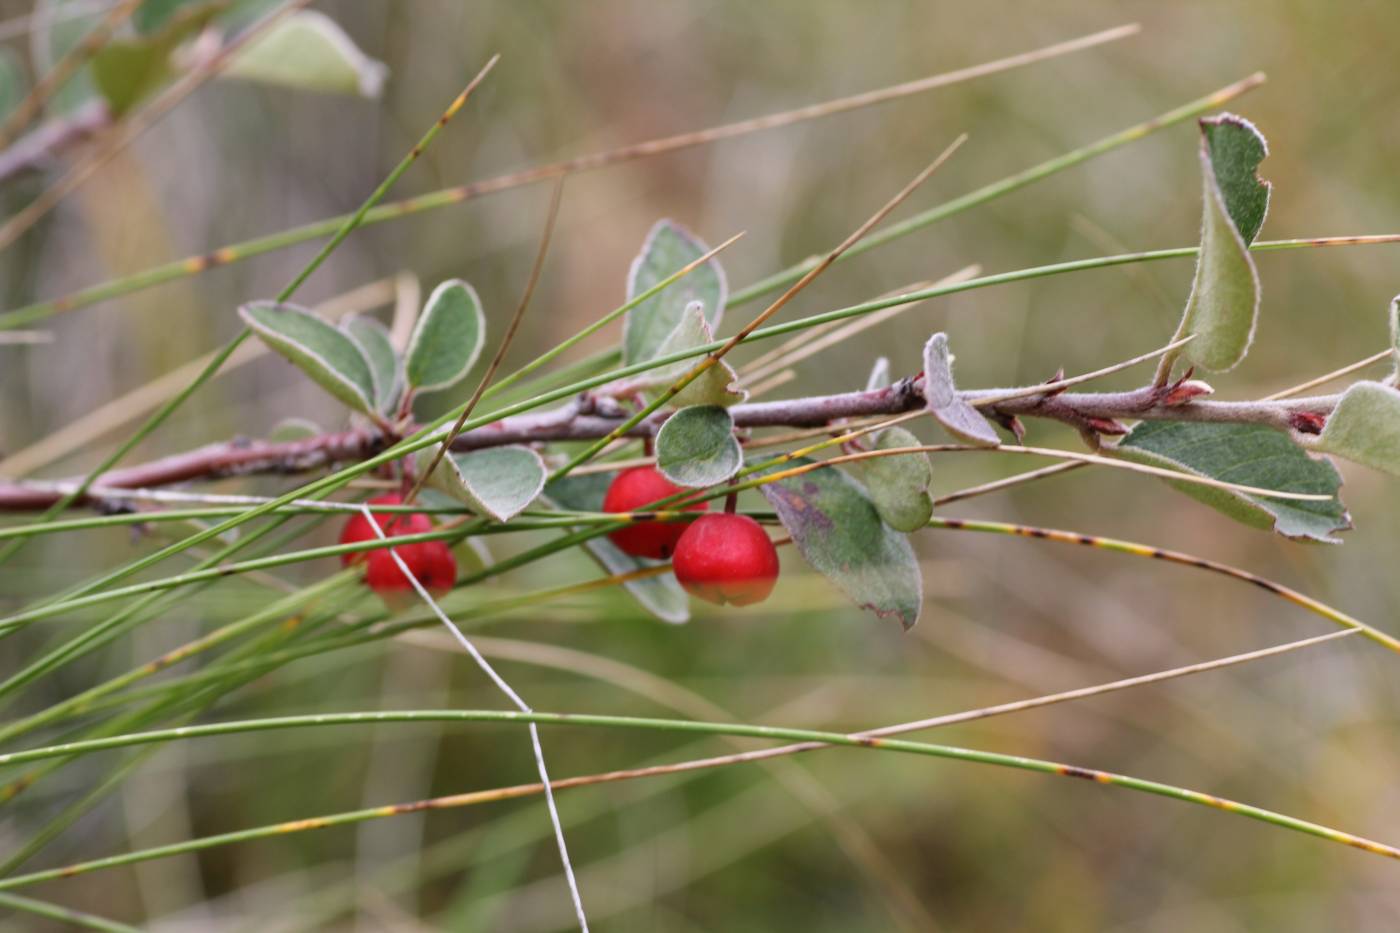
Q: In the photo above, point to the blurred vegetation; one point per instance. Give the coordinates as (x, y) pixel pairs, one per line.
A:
(975, 848)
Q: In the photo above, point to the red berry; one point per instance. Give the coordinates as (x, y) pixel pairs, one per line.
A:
(393, 523)
(633, 490)
(431, 562)
(726, 558)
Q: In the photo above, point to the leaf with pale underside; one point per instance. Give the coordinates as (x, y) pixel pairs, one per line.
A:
(669, 247)
(1365, 427)
(899, 484)
(327, 355)
(696, 447)
(948, 407)
(879, 375)
(1224, 304)
(660, 595)
(373, 338)
(1250, 455)
(838, 530)
(309, 51)
(447, 338)
(496, 482)
(717, 385)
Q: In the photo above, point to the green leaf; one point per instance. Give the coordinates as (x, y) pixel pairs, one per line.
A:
(696, 447)
(373, 338)
(660, 595)
(957, 417)
(293, 429)
(879, 375)
(309, 51)
(447, 338)
(1365, 427)
(13, 84)
(332, 360)
(839, 532)
(1251, 455)
(127, 70)
(898, 485)
(1224, 303)
(668, 248)
(716, 386)
(499, 482)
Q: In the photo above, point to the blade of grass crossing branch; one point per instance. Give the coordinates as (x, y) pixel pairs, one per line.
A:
(714, 357)
(514, 698)
(205, 374)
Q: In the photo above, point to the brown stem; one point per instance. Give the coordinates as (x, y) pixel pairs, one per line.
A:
(586, 422)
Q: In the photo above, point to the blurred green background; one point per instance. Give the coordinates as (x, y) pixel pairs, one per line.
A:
(841, 840)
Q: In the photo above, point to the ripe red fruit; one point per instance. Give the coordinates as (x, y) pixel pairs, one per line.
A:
(431, 562)
(633, 490)
(394, 524)
(726, 558)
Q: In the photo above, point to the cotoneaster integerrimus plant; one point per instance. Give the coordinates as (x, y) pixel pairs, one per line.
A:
(668, 463)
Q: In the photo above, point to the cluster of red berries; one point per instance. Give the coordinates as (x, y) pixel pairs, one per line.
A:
(721, 557)
(431, 562)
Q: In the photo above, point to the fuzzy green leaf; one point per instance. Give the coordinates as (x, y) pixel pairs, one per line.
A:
(310, 52)
(327, 355)
(447, 338)
(1365, 427)
(373, 338)
(1251, 455)
(293, 429)
(668, 248)
(898, 485)
(660, 595)
(716, 386)
(127, 70)
(696, 447)
(839, 532)
(499, 482)
(957, 417)
(1224, 304)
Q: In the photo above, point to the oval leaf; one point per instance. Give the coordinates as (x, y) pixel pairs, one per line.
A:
(446, 339)
(1224, 303)
(696, 447)
(717, 385)
(373, 338)
(898, 485)
(879, 375)
(309, 51)
(499, 482)
(957, 417)
(660, 595)
(127, 70)
(1251, 455)
(839, 532)
(1365, 427)
(668, 248)
(332, 360)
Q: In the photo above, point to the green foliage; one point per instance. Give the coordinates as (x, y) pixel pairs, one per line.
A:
(945, 404)
(447, 338)
(1365, 427)
(651, 325)
(716, 386)
(373, 338)
(498, 482)
(1250, 455)
(660, 595)
(293, 429)
(898, 485)
(309, 51)
(696, 447)
(125, 71)
(59, 25)
(838, 530)
(328, 356)
(1224, 303)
